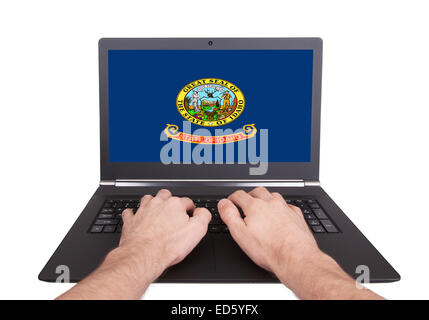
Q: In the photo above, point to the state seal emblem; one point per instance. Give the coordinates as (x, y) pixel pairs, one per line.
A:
(210, 102)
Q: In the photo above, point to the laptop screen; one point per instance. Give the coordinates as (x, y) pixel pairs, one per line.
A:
(185, 104)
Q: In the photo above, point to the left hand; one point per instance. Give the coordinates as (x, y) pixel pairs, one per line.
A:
(161, 233)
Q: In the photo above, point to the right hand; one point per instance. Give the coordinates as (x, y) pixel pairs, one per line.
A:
(273, 234)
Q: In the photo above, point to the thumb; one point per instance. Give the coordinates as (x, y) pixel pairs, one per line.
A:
(238, 229)
(231, 216)
(201, 218)
(197, 228)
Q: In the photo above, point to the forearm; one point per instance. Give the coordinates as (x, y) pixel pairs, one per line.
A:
(318, 276)
(121, 276)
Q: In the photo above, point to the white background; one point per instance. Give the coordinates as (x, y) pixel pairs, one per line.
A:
(374, 153)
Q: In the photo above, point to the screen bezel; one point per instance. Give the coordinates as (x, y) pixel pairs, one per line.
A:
(150, 170)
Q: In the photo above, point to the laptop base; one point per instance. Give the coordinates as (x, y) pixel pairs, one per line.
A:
(217, 258)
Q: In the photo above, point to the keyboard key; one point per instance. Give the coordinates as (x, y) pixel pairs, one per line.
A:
(110, 217)
(318, 229)
(329, 226)
(106, 216)
(134, 205)
(199, 203)
(96, 229)
(215, 219)
(105, 222)
(313, 222)
(214, 228)
(320, 214)
(109, 229)
(309, 216)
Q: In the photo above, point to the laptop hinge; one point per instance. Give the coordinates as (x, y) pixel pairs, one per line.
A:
(107, 182)
(312, 183)
(204, 182)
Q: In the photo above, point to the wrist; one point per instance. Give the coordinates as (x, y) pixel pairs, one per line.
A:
(293, 263)
(312, 274)
(135, 262)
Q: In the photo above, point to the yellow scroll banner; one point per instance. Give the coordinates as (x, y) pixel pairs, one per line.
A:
(248, 131)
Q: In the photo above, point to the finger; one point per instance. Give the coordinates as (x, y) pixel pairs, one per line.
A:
(127, 215)
(197, 228)
(278, 196)
(241, 198)
(237, 227)
(163, 194)
(145, 200)
(296, 210)
(202, 216)
(188, 203)
(300, 215)
(261, 193)
(231, 216)
(176, 204)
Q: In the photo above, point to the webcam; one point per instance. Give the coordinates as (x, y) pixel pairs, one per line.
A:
(210, 43)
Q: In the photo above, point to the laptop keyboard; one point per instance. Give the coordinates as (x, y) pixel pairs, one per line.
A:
(109, 218)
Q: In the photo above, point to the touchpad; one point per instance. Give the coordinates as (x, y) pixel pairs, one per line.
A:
(232, 264)
(199, 265)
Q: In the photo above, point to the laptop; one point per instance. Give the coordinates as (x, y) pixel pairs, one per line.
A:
(203, 118)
